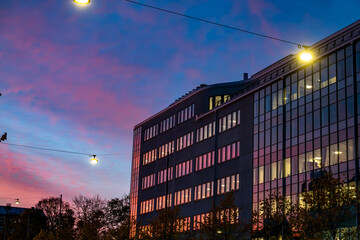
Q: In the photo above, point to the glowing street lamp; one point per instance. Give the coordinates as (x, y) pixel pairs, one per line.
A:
(82, 2)
(306, 54)
(17, 201)
(94, 160)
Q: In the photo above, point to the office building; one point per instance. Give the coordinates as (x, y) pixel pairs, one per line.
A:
(268, 133)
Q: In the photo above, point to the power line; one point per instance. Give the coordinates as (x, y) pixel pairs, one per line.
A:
(299, 45)
(48, 149)
(62, 151)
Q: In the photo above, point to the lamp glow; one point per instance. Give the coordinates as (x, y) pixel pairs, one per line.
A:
(17, 201)
(94, 160)
(306, 56)
(82, 2)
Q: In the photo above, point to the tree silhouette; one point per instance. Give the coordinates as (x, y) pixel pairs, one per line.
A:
(329, 205)
(223, 222)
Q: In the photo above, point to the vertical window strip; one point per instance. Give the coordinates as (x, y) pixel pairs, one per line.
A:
(151, 132)
(185, 141)
(198, 219)
(148, 181)
(186, 113)
(203, 191)
(167, 123)
(229, 152)
(150, 156)
(160, 201)
(162, 175)
(205, 132)
(167, 148)
(147, 206)
(182, 197)
(228, 184)
(204, 161)
(229, 121)
(183, 169)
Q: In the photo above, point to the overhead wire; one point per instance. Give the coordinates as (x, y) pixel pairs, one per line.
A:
(299, 45)
(62, 151)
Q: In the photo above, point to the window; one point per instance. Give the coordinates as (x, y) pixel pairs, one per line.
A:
(186, 114)
(163, 174)
(227, 184)
(167, 148)
(149, 156)
(287, 163)
(198, 219)
(204, 161)
(182, 196)
(229, 152)
(229, 121)
(203, 191)
(148, 181)
(217, 101)
(185, 141)
(183, 169)
(147, 206)
(167, 123)
(160, 202)
(151, 132)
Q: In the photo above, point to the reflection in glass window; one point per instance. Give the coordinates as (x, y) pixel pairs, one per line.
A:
(294, 89)
(324, 77)
(316, 81)
(302, 163)
(332, 74)
(287, 167)
(217, 101)
(273, 171)
(301, 90)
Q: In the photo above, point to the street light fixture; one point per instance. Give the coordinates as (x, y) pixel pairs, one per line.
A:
(94, 160)
(17, 201)
(306, 54)
(82, 2)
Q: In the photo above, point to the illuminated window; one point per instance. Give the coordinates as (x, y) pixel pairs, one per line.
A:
(227, 184)
(203, 191)
(183, 169)
(229, 121)
(204, 161)
(229, 152)
(217, 101)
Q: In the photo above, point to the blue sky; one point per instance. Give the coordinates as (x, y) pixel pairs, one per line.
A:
(79, 79)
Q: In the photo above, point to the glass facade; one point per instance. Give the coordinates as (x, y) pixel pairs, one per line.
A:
(303, 123)
(296, 121)
(134, 187)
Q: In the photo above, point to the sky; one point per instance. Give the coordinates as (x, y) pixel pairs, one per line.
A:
(80, 78)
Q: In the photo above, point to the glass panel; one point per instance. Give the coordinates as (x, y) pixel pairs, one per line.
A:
(287, 167)
(324, 77)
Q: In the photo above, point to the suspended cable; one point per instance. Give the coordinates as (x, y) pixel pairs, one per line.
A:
(299, 45)
(62, 151)
(47, 149)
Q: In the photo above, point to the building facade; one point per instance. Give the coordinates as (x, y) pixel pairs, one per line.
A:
(269, 133)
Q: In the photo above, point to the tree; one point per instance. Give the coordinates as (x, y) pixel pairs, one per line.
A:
(90, 215)
(28, 225)
(329, 205)
(167, 225)
(58, 224)
(276, 218)
(223, 222)
(117, 217)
